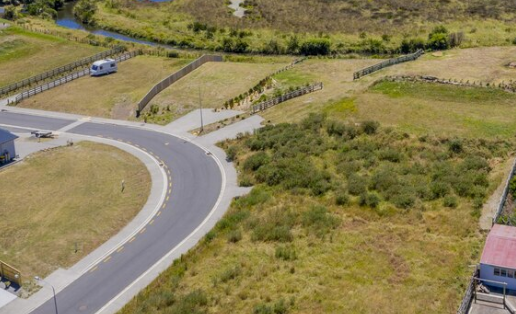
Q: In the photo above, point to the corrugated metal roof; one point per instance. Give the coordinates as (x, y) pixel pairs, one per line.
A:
(500, 247)
(6, 136)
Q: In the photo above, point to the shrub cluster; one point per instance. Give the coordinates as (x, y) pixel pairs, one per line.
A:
(370, 166)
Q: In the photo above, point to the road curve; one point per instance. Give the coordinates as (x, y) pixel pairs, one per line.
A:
(196, 186)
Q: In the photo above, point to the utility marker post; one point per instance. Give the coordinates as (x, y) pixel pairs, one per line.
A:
(200, 110)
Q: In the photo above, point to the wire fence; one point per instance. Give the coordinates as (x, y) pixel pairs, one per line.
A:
(293, 94)
(387, 63)
(173, 78)
(68, 78)
(503, 199)
(60, 70)
(468, 296)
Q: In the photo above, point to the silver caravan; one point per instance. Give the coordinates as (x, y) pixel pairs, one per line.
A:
(102, 67)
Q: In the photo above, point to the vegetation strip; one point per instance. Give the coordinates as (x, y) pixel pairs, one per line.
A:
(377, 67)
(289, 95)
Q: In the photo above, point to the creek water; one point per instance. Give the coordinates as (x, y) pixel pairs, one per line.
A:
(65, 18)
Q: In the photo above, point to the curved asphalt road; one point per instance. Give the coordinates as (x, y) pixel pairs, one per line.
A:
(196, 185)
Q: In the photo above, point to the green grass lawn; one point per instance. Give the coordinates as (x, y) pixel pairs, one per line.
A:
(24, 54)
(63, 198)
(436, 109)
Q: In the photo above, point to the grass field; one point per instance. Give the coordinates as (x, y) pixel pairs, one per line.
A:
(24, 54)
(113, 96)
(436, 109)
(346, 98)
(64, 197)
(300, 244)
(216, 82)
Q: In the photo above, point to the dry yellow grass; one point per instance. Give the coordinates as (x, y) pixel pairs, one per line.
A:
(57, 198)
(114, 95)
(24, 54)
(216, 82)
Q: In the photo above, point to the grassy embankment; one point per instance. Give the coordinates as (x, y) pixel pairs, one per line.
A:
(24, 54)
(65, 197)
(112, 96)
(343, 219)
(213, 84)
(270, 27)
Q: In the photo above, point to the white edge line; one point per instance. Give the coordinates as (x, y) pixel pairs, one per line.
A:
(223, 187)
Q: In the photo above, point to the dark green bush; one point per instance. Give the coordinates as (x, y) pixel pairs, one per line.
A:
(319, 220)
(342, 199)
(286, 253)
(357, 184)
(369, 199)
(450, 201)
(315, 47)
(235, 236)
(438, 189)
(254, 162)
(370, 127)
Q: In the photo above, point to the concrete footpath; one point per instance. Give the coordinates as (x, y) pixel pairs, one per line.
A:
(63, 277)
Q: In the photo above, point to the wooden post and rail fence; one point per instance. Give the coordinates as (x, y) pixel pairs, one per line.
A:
(174, 78)
(10, 273)
(62, 69)
(293, 94)
(68, 78)
(387, 63)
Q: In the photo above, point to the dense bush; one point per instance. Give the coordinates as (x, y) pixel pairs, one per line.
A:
(315, 47)
(374, 165)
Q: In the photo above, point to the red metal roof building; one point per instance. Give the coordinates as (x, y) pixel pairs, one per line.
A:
(498, 261)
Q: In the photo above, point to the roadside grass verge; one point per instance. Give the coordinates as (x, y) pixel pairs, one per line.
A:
(213, 84)
(112, 96)
(305, 241)
(24, 54)
(66, 198)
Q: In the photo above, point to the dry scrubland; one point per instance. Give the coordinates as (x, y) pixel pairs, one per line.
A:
(214, 83)
(66, 196)
(112, 96)
(343, 219)
(24, 54)
(415, 108)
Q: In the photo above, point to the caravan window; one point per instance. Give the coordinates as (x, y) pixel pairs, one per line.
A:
(112, 65)
(101, 67)
(94, 68)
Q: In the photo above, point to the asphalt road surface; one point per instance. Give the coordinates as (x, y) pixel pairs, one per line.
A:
(196, 185)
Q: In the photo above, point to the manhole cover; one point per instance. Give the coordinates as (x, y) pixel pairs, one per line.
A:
(83, 308)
